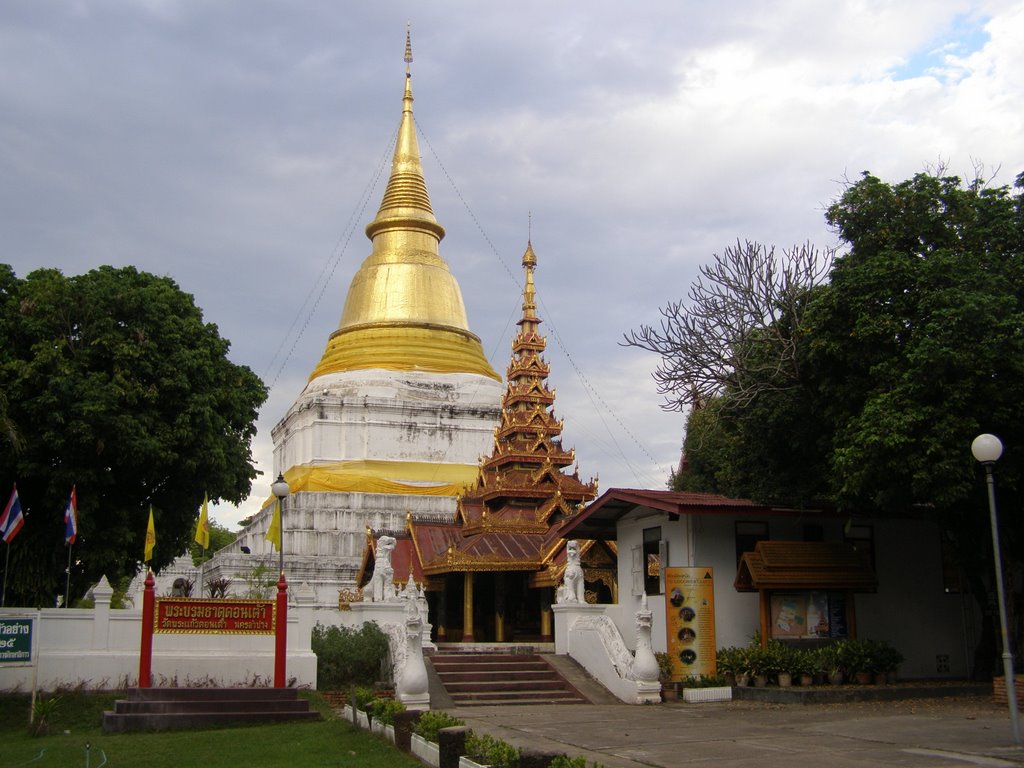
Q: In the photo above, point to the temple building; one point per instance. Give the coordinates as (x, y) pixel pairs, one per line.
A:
(395, 417)
(491, 572)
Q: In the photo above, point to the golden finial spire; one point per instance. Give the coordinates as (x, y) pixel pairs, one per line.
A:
(529, 291)
(408, 48)
(404, 308)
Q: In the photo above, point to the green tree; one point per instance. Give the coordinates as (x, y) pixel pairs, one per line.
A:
(114, 384)
(918, 347)
(917, 343)
(913, 347)
(220, 537)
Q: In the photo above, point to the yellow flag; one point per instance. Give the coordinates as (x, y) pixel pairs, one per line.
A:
(274, 531)
(150, 536)
(203, 527)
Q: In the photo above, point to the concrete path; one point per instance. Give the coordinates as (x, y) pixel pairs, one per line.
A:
(951, 732)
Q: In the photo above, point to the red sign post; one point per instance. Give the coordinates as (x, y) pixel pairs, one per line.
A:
(184, 615)
(281, 634)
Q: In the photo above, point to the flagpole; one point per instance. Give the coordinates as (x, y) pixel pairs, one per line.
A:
(202, 563)
(67, 585)
(7, 559)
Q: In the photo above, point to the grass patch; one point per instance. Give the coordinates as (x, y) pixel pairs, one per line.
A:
(77, 720)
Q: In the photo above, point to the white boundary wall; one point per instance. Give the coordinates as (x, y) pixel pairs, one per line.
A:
(98, 648)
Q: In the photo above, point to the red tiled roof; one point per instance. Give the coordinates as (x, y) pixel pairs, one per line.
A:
(598, 520)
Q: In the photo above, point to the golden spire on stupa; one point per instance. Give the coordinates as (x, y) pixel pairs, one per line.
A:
(404, 309)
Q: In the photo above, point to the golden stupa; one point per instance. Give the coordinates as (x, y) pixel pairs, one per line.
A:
(404, 309)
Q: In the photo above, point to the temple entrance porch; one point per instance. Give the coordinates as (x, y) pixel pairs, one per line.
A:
(490, 607)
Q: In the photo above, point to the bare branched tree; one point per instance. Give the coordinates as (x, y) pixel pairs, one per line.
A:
(739, 327)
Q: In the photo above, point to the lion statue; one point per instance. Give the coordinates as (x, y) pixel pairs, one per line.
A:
(571, 589)
(382, 584)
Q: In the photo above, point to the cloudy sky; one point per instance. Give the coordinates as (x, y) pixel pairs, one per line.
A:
(237, 146)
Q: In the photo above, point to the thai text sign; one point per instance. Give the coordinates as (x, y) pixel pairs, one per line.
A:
(185, 615)
(15, 640)
(690, 621)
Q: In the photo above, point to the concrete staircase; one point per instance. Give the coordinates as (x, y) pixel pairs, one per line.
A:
(163, 709)
(490, 679)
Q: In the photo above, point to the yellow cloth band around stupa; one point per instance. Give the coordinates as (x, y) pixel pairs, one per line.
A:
(404, 348)
(377, 477)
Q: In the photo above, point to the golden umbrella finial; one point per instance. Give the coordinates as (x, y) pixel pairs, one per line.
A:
(408, 46)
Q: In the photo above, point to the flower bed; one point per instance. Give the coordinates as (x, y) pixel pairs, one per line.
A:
(426, 751)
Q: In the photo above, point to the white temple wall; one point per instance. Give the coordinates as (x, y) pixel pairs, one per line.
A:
(99, 648)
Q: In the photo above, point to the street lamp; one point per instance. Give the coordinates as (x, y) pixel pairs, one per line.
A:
(987, 449)
(281, 490)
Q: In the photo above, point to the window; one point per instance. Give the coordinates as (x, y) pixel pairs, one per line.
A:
(813, 532)
(950, 570)
(654, 559)
(748, 533)
(862, 538)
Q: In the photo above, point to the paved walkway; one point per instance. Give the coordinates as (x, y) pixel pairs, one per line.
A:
(968, 730)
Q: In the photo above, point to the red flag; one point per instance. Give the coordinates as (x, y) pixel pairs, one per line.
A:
(12, 519)
(71, 519)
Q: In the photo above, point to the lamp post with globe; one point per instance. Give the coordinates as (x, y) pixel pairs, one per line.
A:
(280, 489)
(987, 449)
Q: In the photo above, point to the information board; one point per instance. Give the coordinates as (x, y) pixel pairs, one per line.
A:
(690, 621)
(807, 615)
(15, 640)
(229, 617)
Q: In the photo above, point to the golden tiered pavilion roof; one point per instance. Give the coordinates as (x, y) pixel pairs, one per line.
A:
(510, 518)
(404, 308)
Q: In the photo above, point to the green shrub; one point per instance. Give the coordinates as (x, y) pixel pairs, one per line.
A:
(703, 681)
(347, 656)
(729, 660)
(564, 761)
(857, 656)
(432, 721)
(828, 658)
(364, 698)
(888, 657)
(43, 711)
(664, 667)
(488, 750)
(384, 710)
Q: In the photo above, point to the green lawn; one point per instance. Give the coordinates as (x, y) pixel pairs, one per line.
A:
(78, 721)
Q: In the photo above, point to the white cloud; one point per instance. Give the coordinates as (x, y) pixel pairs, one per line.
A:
(232, 145)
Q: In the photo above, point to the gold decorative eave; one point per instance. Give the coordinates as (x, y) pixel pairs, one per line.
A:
(490, 526)
(460, 563)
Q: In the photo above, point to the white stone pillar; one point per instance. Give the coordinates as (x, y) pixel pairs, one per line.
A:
(101, 595)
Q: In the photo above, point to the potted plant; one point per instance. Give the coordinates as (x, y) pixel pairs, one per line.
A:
(803, 664)
(828, 661)
(759, 661)
(858, 659)
(889, 661)
(669, 691)
(743, 672)
(727, 661)
(783, 661)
